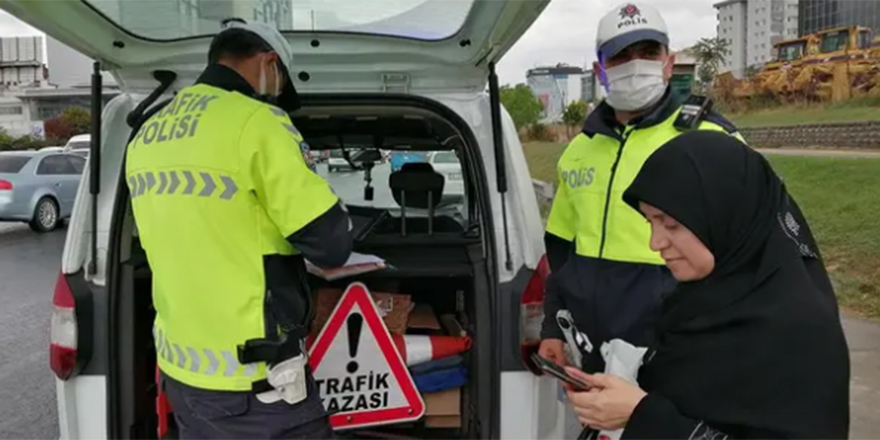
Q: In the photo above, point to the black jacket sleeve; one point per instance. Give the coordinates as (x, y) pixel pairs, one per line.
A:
(655, 417)
(558, 251)
(327, 241)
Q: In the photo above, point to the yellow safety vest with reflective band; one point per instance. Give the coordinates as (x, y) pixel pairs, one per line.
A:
(217, 181)
(593, 173)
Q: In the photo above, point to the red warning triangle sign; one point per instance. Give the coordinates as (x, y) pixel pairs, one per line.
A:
(362, 378)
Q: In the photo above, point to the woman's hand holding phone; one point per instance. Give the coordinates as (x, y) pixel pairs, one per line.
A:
(552, 369)
(609, 402)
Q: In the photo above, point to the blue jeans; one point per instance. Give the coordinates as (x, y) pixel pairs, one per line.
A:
(208, 414)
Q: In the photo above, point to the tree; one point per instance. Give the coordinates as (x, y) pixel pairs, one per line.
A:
(710, 53)
(58, 129)
(523, 106)
(79, 119)
(71, 122)
(6, 141)
(706, 74)
(574, 115)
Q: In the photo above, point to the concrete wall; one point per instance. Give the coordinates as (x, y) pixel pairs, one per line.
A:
(848, 135)
(15, 116)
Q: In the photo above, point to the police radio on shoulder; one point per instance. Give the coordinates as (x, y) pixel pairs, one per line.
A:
(692, 112)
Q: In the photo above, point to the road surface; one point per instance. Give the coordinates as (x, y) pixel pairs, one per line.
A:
(29, 264)
(863, 338)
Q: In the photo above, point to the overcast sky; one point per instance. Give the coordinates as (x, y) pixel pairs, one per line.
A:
(565, 32)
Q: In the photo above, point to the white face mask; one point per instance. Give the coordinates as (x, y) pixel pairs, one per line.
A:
(263, 80)
(635, 85)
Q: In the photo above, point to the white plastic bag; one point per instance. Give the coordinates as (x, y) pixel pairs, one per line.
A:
(623, 360)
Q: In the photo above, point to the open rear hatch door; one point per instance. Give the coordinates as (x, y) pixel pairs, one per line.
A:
(338, 45)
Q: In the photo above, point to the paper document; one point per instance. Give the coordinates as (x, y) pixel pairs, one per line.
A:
(356, 264)
(357, 258)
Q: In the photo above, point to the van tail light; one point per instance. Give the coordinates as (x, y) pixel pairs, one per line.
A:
(5, 185)
(64, 331)
(532, 313)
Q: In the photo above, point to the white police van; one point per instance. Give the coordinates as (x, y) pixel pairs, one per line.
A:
(400, 75)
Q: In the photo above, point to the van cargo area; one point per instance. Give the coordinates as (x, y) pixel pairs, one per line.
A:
(436, 243)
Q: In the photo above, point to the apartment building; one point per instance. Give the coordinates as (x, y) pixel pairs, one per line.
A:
(556, 87)
(818, 15)
(751, 27)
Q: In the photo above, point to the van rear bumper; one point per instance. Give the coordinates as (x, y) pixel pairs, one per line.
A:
(531, 407)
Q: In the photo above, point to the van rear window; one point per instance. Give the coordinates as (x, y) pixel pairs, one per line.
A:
(349, 184)
(12, 164)
(172, 19)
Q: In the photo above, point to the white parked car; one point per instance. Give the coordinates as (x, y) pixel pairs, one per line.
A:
(427, 79)
(337, 161)
(78, 142)
(447, 164)
(84, 152)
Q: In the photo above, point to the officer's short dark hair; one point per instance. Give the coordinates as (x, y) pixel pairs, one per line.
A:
(236, 44)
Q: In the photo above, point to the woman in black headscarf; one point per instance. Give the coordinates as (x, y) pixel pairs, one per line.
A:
(750, 343)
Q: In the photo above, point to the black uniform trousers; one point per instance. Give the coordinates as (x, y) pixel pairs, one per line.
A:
(209, 414)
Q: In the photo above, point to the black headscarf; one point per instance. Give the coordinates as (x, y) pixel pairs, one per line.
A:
(756, 349)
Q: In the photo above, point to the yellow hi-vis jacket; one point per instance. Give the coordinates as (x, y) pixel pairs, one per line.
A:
(603, 270)
(218, 180)
(592, 174)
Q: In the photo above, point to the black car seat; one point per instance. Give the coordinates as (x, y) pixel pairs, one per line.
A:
(416, 185)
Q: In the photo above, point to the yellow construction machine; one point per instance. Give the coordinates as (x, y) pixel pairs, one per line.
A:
(830, 65)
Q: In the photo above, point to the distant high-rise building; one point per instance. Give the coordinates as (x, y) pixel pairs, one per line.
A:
(732, 27)
(588, 85)
(818, 15)
(21, 62)
(751, 27)
(21, 67)
(556, 87)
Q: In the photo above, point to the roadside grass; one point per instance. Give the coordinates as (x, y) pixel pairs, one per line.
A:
(854, 110)
(542, 158)
(839, 197)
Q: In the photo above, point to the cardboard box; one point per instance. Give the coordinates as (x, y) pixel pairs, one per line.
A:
(422, 320)
(443, 409)
(394, 308)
